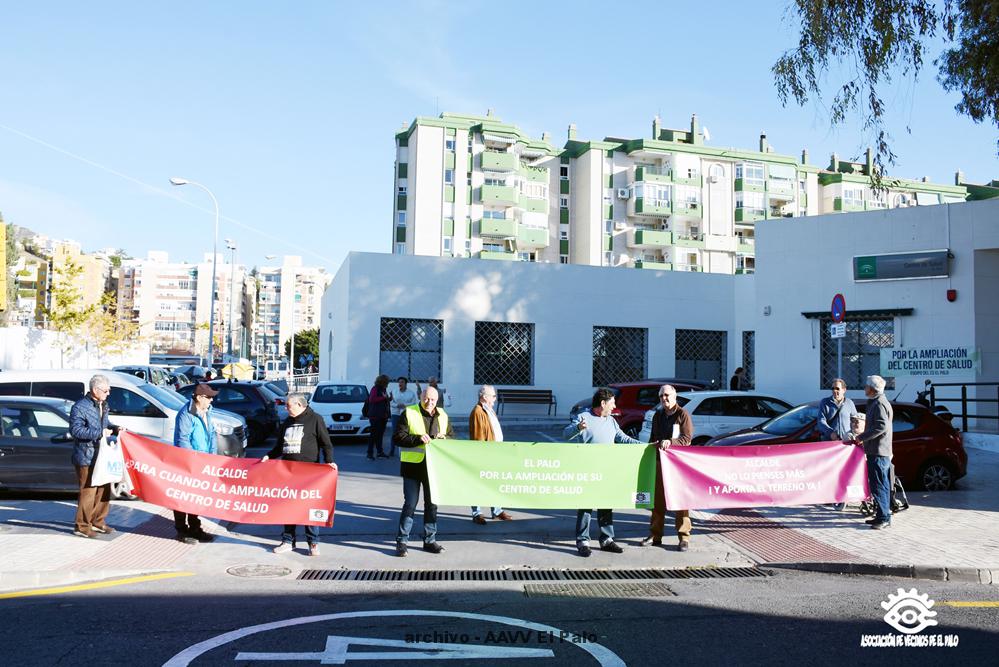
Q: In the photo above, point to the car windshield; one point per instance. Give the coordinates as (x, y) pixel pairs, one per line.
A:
(169, 398)
(791, 421)
(340, 393)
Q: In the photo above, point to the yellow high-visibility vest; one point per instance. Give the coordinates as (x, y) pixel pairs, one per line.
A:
(414, 417)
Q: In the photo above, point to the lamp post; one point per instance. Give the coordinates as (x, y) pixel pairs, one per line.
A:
(231, 245)
(215, 245)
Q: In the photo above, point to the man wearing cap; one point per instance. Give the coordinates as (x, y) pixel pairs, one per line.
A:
(194, 430)
(876, 439)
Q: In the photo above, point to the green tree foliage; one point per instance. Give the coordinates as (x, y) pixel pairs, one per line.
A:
(11, 255)
(111, 335)
(67, 314)
(306, 342)
(870, 42)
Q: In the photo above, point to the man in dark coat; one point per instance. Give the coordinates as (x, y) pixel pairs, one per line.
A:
(88, 424)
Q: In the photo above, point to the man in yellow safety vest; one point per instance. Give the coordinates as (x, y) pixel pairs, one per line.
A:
(418, 425)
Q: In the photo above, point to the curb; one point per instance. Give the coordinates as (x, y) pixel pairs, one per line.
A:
(988, 442)
(11, 582)
(957, 574)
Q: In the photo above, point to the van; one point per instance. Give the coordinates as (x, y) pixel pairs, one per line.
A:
(142, 408)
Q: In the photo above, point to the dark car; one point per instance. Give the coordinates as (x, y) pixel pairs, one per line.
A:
(36, 446)
(151, 374)
(633, 399)
(928, 452)
(248, 398)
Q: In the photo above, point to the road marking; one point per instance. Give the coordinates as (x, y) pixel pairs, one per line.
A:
(337, 651)
(970, 603)
(546, 436)
(97, 584)
(603, 655)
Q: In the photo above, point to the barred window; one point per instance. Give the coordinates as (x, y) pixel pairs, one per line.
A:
(861, 350)
(504, 353)
(620, 354)
(749, 357)
(411, 348)
(702, 355)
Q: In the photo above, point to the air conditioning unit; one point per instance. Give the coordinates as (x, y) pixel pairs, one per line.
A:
(623, 193)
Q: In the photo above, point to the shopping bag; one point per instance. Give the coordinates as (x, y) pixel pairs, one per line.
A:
(109, 465)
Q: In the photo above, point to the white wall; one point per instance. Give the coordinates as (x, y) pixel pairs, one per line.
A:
(24, 348)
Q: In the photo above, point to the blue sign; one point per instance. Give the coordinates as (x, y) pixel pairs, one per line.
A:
(301, 360)
(838, 310)
(309, 358)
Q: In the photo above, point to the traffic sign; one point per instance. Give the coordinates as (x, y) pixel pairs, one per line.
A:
(838, 309)
(837, 330)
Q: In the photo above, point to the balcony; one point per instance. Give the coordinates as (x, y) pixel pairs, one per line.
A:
(749, 185)
(533, 205)
(695, 268)
(646, 238)
(688, 209)
(654, 207)
(687, 178)
(681, 241)
(504, 195)
(653, 174)
(655, 266)
(531, 237)
(847, 205)
(780, 189)
(492, 254)
(493, 161)
(746, 247)
(537, 174)
(745, 271)
(749, 215)
(498, 228)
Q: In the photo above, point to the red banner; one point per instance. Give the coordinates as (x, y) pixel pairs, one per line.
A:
(240, 490)
(763, 476)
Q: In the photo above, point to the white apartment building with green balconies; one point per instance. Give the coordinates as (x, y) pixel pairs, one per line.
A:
(473, 186)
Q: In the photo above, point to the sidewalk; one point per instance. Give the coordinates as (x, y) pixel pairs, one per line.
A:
(951, 535)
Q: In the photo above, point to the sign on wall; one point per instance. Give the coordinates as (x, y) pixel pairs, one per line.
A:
(922, 361)
(901, 266)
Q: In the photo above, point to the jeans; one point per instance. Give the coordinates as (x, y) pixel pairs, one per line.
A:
(411, 495)
(605, 519)
(289, 535)
(879, 478)
(476, 510)
(377, 435)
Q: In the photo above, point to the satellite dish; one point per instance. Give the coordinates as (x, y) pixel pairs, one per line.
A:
(707, 135)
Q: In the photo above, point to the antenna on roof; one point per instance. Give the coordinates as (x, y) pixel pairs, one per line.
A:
(707, 135)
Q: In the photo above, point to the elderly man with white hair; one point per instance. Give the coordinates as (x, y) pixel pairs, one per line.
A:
(876, 439)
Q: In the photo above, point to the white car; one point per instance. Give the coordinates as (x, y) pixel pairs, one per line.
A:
(340, 404)
(717, 413)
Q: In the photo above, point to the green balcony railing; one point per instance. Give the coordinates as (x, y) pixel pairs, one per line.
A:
(840, 204)
(492, 254)
(656, 266)
(648, 237)
(498, 228)
(687, 209)
(749, 215)
(653, 175)
(534, 205)
(492, 161)
(537, 174)
(657, 207)
(534, 237)
(685, 179)
(499, 194)
(743, 272)
(687, 242)
(742, 185)
(746, 248)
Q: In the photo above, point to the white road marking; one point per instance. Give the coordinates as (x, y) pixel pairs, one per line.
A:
(601, 654)
(336, 652)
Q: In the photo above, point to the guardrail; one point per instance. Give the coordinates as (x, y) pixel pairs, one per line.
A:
(964, 400)
(304, 382)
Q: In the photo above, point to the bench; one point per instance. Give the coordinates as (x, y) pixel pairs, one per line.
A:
(527, 396)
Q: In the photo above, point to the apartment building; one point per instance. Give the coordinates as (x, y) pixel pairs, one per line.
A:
(473, 186)
(285, 298)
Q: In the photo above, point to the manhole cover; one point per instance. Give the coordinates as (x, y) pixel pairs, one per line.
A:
(610, 589)
(259, 571)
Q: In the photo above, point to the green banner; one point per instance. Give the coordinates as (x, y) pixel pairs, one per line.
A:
(541, 475)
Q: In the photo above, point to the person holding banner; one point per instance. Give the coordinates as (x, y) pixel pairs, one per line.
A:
(419, 425)
(835, 415)
(194, 430)
(876, 439)
(597, 426)
(303, 434)
(89, 425)
(671, 426)
(483, 425)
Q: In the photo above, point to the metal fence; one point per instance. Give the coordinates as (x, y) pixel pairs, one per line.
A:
(964, 399)
(702, 355)
(411, 348)
(620, 354)
(504, 353)
(861, 351)
(749, 357)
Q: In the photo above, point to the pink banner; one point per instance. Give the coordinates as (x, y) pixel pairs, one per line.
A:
(764, 476)
(240, 490)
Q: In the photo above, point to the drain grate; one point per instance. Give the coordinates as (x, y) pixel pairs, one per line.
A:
(532, 575)
(611, 589)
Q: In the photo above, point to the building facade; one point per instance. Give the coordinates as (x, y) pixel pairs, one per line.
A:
(473, 186)
(285, 298)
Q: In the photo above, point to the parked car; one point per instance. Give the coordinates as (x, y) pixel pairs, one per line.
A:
(340, 405)
(178, 380)
(248, 398)
(194, 373)
(633, 399)
(927, 452)
(716, 413)
(140, 407)
(151, 374)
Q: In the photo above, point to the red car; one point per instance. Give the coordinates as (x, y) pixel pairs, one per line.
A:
(634, 399)
(928, 452)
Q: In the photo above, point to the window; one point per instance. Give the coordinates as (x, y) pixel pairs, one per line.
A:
(619, 354)
(751, 173)
(449, 176)
(853, 197)
(563, 201)
(608, 259)
(447, 243)
(782, 172)
(563, 172)
(23, 422)
(534, 190)
(400, 218)
(688, 195)
(749, 353)
(126, 403)
(411, 347)
(701, 355)
(400, 248)
(402, 189)
(563, 259)
(660, 194)
(71, 391)
(901, 200)
(861, 351)
(494, 181)
(493, 214)
(449, 144)
(563, 235)
(753, 202)
(17, 389)
(609, 226)
(504, 353)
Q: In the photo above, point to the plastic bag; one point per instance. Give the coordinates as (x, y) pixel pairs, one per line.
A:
(109, 465)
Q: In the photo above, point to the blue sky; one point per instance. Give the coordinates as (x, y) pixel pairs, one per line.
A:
(287, 110)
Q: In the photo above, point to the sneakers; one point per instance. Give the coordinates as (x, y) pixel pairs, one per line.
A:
(382, 455)
(651, 541)
(313, 549)
(86, 532)
(186, 539)
(479, 520)
(880, 525)
(612, 547)
(202, 536)
(503, 516)
(684, 545)
(283, 548)
(433, 547)
(401, 549)
(870, 521)
(107, 530)
(584, 550)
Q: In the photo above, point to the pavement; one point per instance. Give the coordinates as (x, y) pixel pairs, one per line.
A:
(944, 536)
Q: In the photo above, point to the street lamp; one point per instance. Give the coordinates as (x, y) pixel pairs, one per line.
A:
(215, 246)
(231, 245)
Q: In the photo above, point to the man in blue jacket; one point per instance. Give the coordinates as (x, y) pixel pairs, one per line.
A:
(88, 424)
(194, 430)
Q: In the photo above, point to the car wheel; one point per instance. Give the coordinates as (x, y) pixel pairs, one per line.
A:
(936, 476)
(701, 441)
(633, 430)
(118, 492)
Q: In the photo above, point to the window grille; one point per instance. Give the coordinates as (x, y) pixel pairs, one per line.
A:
(411, 348)
(702, 355)
(749, 357)
(861, 350)
(620, 354)
(504, 353)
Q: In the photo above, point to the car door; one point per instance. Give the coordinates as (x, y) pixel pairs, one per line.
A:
(36, 448)
(705, 417)
(737, 412)
(136, 413)
(70, 391)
